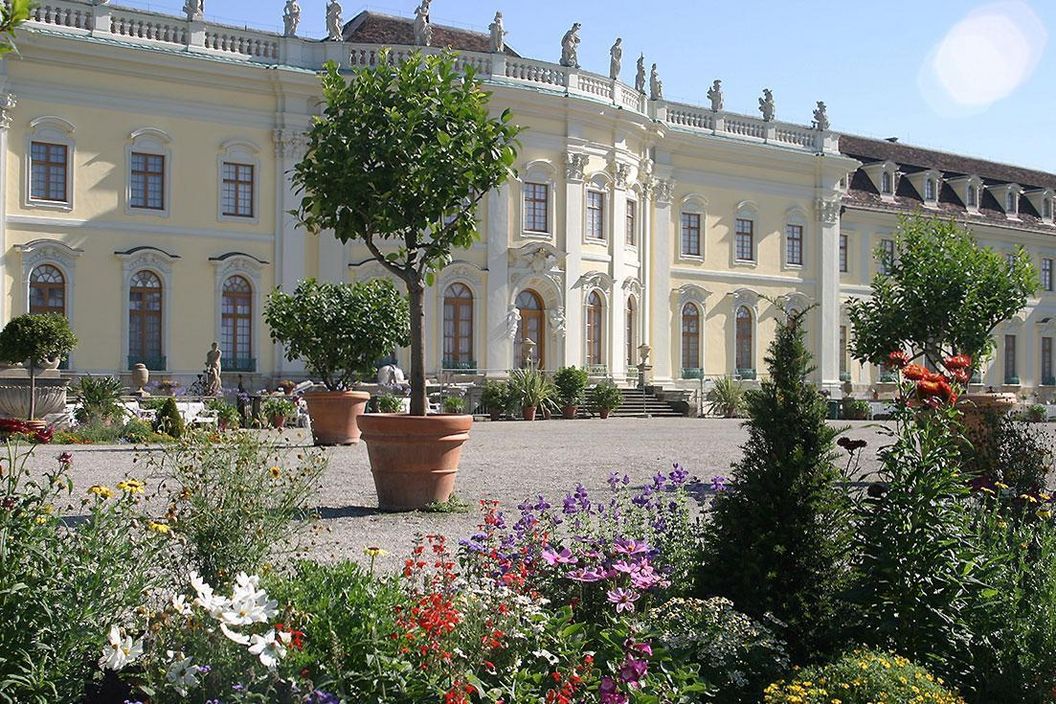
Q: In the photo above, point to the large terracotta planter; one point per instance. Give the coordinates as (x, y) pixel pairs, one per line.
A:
(334, 415)
(528, 413)
(975, 408)
(569, 412)
(604, 413)
(414, 458)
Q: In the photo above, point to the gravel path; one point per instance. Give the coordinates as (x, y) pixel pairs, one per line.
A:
(507, 461)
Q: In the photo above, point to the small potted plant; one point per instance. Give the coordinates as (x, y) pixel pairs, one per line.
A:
(168, 387)
(495, 397)
(286, 386)
(570, 384)
(278, 410)
(389, 403)
(605, 398)
(227, 417)
(454, 405)
(339, 330)
(34, 339)
(529, 389)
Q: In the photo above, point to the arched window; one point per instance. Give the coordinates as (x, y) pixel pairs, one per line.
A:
(744, 341)
(47, 290)
(690, 337)
(973, 199)
(632, 332)
(236, 324)
(531, 327)
(886, 186)
(144, 320)
(594, 329)
(458, 327)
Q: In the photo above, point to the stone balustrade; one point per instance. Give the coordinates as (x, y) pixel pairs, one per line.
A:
(81, 16)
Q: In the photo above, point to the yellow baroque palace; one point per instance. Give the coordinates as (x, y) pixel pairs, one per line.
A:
(145, 160)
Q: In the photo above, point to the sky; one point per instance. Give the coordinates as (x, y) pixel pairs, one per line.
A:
(967, 76)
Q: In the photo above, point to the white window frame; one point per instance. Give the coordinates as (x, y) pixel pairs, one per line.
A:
(605, 332)
(544, 173)
(632, 198)
(243, 153)
(694, 204)
(54, 253)
(51, 130)
(149, 140)
(161, 263)
(746, 210)
(795, 216)
(251, 269)
(845, 266)
(472, 278)
(597, 185)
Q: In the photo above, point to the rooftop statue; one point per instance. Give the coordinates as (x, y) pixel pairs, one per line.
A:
(423, 31)
(291, 17)
(195, 10)
(498, 35)
(766, 105)
(715, 95)
(821, 117)
(639, 79)
(616, 59)
(333, 21)
(570, 47)
(656, 86)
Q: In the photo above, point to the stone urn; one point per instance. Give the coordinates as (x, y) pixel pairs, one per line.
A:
(140, 377)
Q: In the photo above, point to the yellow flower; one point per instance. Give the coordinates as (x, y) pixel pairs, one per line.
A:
(160, 528)
(103, 492)
(1028, 497)
(132, 486)
(41, 520)
(275, 471)
(1044, 513)
(373, 551)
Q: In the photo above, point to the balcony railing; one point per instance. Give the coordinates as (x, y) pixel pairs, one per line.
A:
(454, 365)
(746, 374)
(693, 373)
(154, 364)
(239, 364)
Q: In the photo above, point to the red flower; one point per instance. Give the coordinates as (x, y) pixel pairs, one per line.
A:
(960, 361)
(961, 376)
(897, 359)
(915, 372)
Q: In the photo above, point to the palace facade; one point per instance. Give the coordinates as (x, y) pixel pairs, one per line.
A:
(145, 195)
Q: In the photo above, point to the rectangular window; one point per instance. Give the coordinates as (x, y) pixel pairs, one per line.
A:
(536, 207)
(745, 240)
(843, 253)
(1046, 362)
(1046, 274)
(691, 234)
(794, 244)
(595, 215)
(843, 350)
(238, 190)
(48, 172)
(887, 256)
(148, 181)
(632, 223)
(1011, 377)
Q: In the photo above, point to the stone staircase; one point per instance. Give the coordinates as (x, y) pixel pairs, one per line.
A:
(639, 404)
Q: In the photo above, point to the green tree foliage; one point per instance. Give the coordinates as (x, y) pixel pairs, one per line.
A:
(339, 330)
(777, 539)
(12, 14)
(35, 338)
(400, 159)
(168, 420)
(943, 295)
(571, 385)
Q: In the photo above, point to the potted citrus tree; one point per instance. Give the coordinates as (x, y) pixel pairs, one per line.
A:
(570, 384)
(399, 161)
(495, 397)
(529, 389)
(606, 397)
(36, 339)
(339, 330)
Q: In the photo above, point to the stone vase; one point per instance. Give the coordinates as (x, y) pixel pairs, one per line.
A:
(140, 377)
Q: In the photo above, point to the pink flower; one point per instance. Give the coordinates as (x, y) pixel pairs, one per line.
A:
(630, 546)
(563, 557)
(623, 599)
(587, 575)
(609, 692)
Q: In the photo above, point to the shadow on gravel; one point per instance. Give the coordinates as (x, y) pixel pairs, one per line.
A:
(331, 512)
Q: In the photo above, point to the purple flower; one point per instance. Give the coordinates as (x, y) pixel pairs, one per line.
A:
(541, 504)
(633, 670)
(630, 546)
(645, 578)
(678, 475)
(624, 566)
(587, 575)
(609, 693)
(563, 557)
(321, 697)
(623, 599)
(643, 648)
(659, 479)
(614, 480)
(718, 484)
(204, 669)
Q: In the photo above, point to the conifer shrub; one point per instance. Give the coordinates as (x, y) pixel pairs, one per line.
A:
(776, 542)
(168, 421)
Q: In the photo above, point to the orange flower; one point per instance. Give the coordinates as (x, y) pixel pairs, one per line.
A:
(897, 359)
(915, 372)
(960, 361)
(926, 387)
(961, 376)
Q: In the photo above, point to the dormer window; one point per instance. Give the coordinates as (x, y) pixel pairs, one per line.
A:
(1041, 199)
(886, 187)
(1007, 194)
(972, 198)
(1010, 203)
(929, 190)
(968, 189)
(1046, 209)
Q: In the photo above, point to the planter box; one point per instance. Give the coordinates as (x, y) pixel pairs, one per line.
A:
(14, 397)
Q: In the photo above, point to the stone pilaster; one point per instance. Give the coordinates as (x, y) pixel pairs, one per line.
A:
(574, 166)
(498, 344)
(828, 334)
(289, 267)
(661, 250)
(617, 317)
(7, 107)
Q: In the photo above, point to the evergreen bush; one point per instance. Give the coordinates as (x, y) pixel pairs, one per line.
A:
(571, 386)
(777, 539)
(168, 420)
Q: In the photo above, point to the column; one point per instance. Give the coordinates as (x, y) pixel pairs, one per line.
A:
(828, 336)
(660, 250)
(7, 107)
(289, 267)
(333, 264)
(498, 345)
(575, 164)
(617, 319)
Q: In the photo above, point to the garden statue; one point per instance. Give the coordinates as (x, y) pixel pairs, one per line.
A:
(391, 377)
(570, 47)
(498, 35)
(195, 10)
(333, 21)
(616, 58)
(639, 78)
(656, 86)
(766, 105)
(423, 31)
(212, 383)
(513, 322)
(715, 95)
(291, 17)
(821, 117)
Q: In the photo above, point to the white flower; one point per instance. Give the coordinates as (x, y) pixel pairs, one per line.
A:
(120, 651)
(248, 604)
(213, 603)
(183, 675)
(234, 635)
(268, 648)
(180, 605)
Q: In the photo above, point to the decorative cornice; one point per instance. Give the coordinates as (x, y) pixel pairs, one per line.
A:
(8, 101)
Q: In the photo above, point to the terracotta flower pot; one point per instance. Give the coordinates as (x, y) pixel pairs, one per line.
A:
(569, 412)
(495, 415)
(414, 458)
(975, 408)
(334, 415)
(604, 412)
(278, 422)
(528, 412)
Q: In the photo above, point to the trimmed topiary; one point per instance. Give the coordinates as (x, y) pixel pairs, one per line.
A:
(168, 421)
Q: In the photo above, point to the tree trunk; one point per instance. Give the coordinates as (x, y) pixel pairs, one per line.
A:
(32, 391)
(419, 401)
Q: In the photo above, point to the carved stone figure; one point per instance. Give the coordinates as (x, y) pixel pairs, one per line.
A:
(425, 8)
(423, 31)
(391, 377)
(575, 165)
(557, 322)
(498, 35)
(195, 10)
(570, 47)
(333, 21)
(715, 95)
(513, 321)
(766, 105)
(639, 78)
(656, 86)
(821, 117)
(291, 17)
(616, 59)
(212, 384)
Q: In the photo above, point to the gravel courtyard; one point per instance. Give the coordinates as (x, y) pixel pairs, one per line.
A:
(507, 461)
